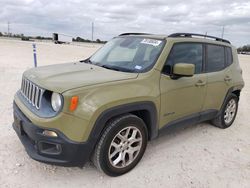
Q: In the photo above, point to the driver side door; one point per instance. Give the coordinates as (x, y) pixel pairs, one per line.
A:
(183, 98)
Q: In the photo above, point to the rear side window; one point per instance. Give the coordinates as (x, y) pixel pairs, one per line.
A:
(229, 56)
(215, 58)
(185, 53)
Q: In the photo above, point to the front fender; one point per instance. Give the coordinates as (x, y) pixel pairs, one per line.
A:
(148, 106)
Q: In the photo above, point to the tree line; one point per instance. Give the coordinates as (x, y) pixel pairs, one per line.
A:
(23, 37)
(79, 39)
(245, 48)
(29, 38)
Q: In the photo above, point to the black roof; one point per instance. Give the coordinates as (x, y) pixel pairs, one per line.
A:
(190, 35)
(134, 34)
(199, 35)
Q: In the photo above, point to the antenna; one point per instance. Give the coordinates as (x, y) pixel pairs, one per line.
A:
(222, 33)
(92, 31)
(205, 35)
(8, 28)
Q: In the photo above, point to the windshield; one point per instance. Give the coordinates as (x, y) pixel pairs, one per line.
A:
(128, 54)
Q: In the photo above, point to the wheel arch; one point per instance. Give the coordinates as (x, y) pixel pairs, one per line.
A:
(145, 110)
(237, 92)
(218, 120)
(233, 90)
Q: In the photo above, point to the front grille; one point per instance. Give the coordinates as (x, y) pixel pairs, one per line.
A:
(32, 93)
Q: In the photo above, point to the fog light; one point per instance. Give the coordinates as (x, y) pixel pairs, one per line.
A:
(49, 148)
(49, 133)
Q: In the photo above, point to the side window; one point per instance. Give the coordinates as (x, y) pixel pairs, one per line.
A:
(215, 58)
(229, 56)
(185, 53)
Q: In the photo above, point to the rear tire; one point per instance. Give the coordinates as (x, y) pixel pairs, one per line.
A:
(228, 113)
(121, 146)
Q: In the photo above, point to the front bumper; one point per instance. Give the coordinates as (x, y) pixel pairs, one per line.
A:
(53, 150)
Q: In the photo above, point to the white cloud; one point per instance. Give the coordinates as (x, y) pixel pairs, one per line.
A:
(111, 17)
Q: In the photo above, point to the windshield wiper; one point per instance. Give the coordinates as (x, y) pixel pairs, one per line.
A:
(86, 61)
(116, 68)
(110, 67)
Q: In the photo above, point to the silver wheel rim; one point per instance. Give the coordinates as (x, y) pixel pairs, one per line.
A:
(230, 111)
(125, 147)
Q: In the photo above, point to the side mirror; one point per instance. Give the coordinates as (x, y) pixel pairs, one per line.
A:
(183, 70)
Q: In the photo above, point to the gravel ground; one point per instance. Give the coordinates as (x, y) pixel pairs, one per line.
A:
(195, 156)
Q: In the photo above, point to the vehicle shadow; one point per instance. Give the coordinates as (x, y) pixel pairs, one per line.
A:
(172, 131)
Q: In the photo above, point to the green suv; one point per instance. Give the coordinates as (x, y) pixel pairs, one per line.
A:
(107, 107)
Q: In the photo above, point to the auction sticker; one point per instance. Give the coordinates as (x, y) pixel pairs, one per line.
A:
(151, 42)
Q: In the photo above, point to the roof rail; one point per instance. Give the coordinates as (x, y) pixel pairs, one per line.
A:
(199, 35)
(134, 34)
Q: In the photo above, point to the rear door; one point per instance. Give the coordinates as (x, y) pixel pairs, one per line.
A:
(219, 78)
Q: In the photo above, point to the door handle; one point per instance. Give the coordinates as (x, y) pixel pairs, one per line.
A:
(200, 83)
(227, 79)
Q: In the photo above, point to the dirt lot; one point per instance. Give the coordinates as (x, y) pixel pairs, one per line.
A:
(197, 156)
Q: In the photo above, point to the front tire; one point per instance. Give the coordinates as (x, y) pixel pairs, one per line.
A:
(228, 113)
(121, 146)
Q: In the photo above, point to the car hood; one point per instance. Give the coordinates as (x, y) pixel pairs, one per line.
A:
(63, 77)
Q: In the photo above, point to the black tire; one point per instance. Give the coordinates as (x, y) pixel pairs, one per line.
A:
(101, 154)
(219, 121)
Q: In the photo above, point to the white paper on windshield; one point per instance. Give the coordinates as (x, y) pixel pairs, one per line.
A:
(151, 42)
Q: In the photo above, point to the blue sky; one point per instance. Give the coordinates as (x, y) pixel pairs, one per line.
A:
(111, 17)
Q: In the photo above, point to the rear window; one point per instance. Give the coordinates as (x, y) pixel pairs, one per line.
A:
(229, 56)
(215, 58)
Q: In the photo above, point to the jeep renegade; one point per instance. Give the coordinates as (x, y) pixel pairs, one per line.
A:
(107, 107)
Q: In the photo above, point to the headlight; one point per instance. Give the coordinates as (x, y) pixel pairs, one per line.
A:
(56, 101)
